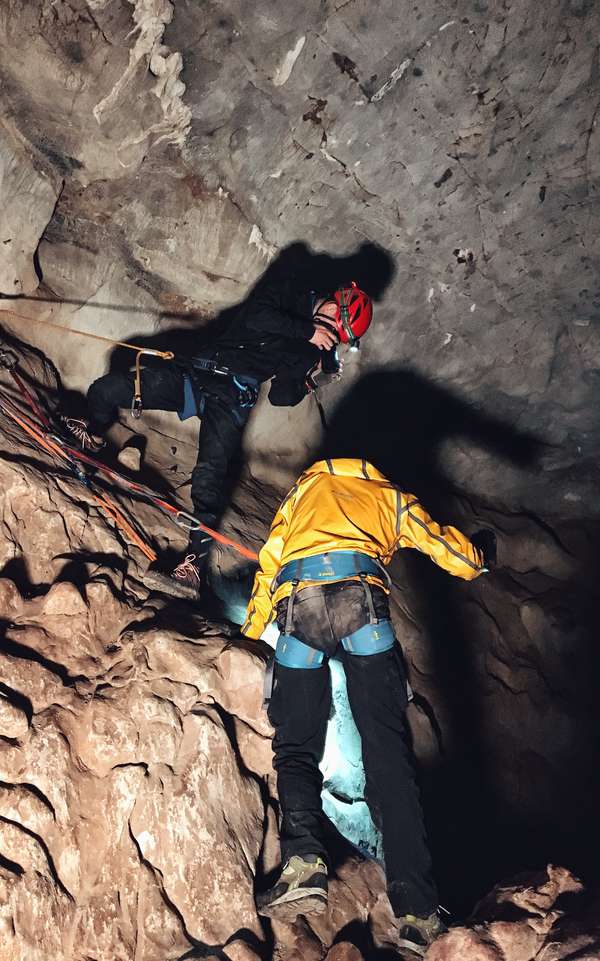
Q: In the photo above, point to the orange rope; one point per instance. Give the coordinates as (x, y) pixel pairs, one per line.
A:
(30, 428)
(52, 448)
(165, 354)
(113, 512)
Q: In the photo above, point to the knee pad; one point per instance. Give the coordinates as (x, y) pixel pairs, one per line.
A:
(370, 639)
(290, 652)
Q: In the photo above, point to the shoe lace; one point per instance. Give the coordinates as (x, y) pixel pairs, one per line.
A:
(79, 429)
(187, 570)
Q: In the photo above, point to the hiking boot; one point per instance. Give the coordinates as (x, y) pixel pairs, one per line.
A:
(80, 430)
(416, 935)
(187, 574)
(301, 889)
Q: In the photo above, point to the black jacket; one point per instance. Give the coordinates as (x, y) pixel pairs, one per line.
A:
(268, 337)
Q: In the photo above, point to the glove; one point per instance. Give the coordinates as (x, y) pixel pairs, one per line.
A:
(485, 541)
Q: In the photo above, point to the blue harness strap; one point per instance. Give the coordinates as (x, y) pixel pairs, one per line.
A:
(332, 565)
(247, 388)
(290, 652)
(370, 639)
(190, 407)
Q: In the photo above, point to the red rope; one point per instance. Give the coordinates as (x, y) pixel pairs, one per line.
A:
(70, 453)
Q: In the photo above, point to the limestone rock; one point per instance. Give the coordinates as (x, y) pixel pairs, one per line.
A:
(13, 719)
(29, 189)
(524, 921)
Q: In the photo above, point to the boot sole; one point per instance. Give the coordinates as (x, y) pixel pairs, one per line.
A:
(293, 904)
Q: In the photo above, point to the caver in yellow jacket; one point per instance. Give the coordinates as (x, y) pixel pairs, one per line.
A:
(347, 505)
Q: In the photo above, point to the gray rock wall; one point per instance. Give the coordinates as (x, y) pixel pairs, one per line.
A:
(460, 136)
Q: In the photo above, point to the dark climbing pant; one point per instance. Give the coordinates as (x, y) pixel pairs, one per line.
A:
(299, 710)
(220, 435)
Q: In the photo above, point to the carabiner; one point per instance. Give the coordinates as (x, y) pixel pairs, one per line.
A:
(136, 407)
(136, 403)
(192, 523)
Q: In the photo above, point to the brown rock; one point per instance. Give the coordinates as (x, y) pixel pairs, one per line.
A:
(206, 808)
(343, 951)
(13, 720)
(130, 457)
(462, 944)
(533, 929)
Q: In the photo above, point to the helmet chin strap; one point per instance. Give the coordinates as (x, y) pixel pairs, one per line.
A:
(345, 319)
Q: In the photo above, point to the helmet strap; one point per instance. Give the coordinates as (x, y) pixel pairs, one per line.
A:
(345, 319)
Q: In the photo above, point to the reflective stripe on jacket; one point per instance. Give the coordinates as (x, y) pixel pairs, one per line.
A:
(346, 504)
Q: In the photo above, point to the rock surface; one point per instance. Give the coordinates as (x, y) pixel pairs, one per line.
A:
(155, 159)
(462, 137)
(135, 764)
(137, 800)
(527, 921)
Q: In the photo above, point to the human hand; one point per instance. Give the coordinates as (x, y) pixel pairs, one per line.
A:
(325, 335)
(485, 542)
(326, 309)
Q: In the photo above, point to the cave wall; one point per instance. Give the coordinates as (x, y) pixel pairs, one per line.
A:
(157, 157)
(190, 144)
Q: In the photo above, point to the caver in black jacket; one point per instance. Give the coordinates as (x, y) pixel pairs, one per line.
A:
(269, 338)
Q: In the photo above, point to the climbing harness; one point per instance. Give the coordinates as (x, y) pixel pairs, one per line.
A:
(367, 640)
(375, 637)
(294, 653)
(330, 566)
(51, 441)
(247, 387)
(136, 404)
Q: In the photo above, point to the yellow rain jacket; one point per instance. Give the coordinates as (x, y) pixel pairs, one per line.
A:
(347, 505)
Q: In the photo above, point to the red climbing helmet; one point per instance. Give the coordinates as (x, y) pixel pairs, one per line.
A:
(354, 315)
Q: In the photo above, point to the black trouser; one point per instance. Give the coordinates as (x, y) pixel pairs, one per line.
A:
(223, 422)
(299, 710)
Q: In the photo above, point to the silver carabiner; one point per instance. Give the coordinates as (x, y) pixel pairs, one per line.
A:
(192, 523)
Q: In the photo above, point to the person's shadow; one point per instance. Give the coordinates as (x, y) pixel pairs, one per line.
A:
(296, 267)
(399, 422)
